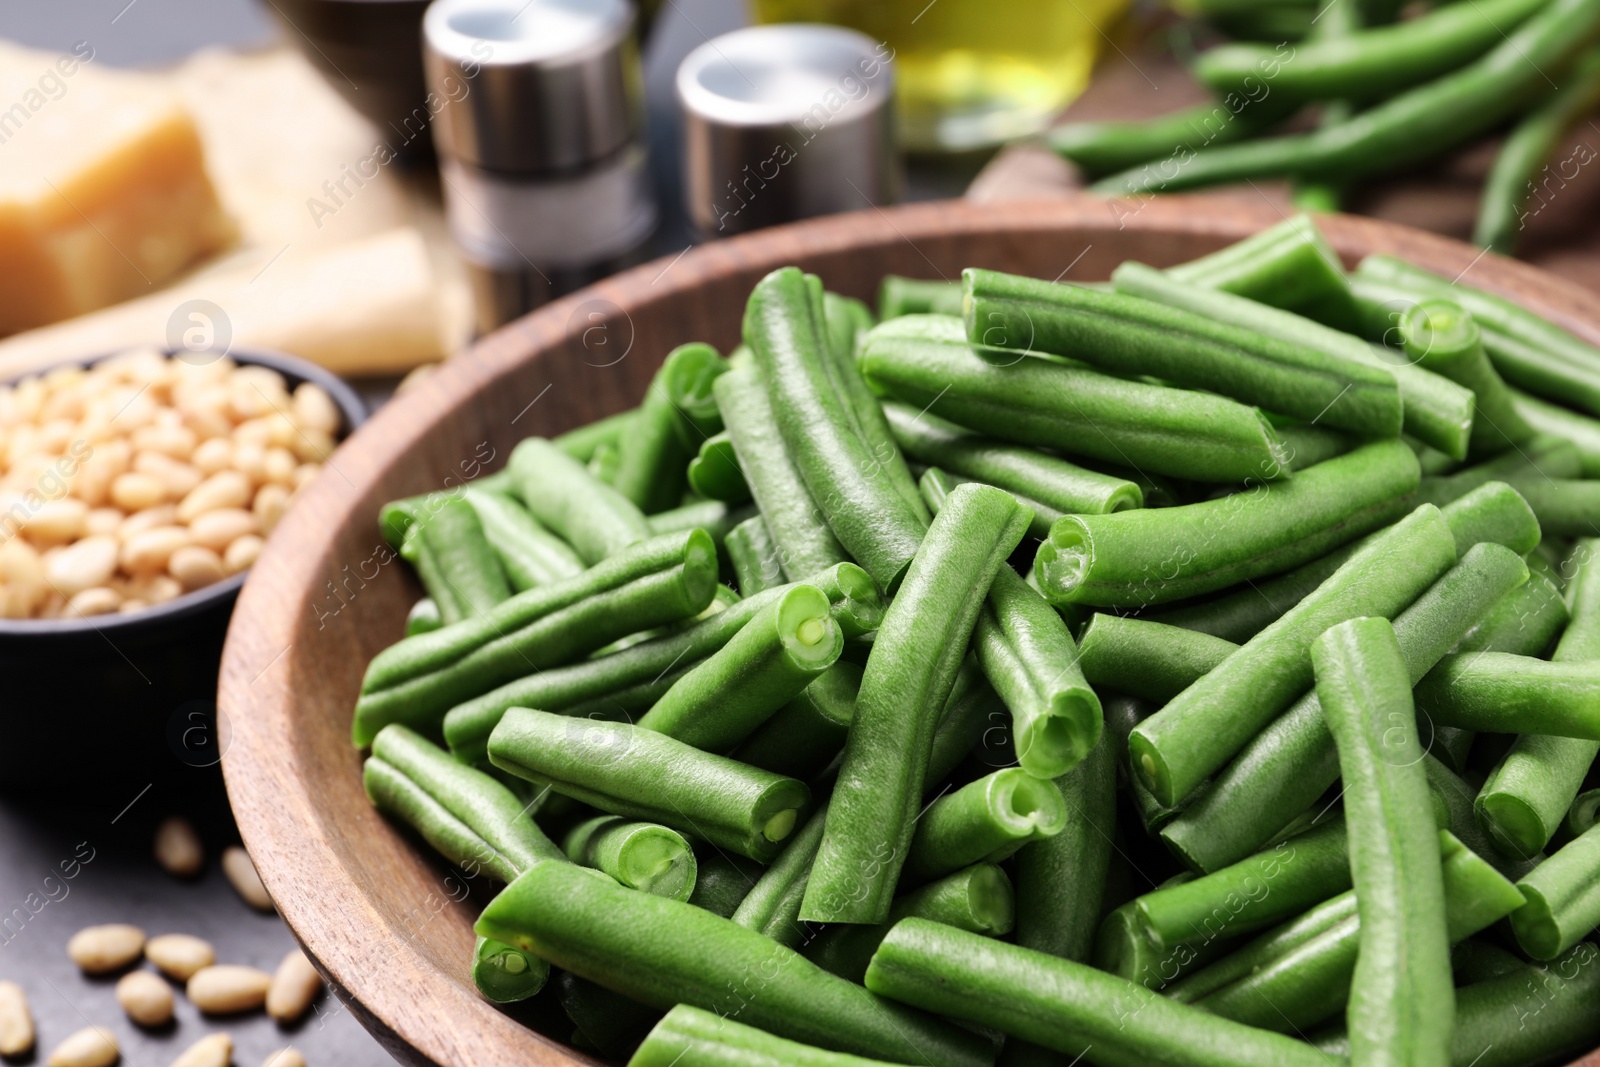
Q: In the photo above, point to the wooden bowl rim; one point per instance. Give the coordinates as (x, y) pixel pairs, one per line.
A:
(263, 716)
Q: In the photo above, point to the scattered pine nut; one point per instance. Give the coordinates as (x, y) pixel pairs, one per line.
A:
(16, 1021)
(103, 949)
(294, 986)
(178, 848)
(179, 956)
(242, 874)
(93, 1046)
(213, 1050)
(285, 1057)
(228, 989)
(146, 998)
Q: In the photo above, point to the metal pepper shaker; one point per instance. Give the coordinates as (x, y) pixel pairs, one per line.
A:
(539, 131)
(786, 121)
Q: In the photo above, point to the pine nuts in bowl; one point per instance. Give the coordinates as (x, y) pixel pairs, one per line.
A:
(136, 488)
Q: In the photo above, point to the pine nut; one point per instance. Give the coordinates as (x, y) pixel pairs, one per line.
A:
(146, 998)
(149, 519)
(102, 521)
(228, 989)
(213, 1050)
(225, 489)
(246, 882)
(241, 555)
(179, 956)
(178, 849)
(194, 567)
(294, 986)
(93, 1046)
(314, 409)
(218, 529)
(149, 550)
(57, 521)
(278, 466)
(213, 455)
(285, 1057)
(16, 1021)
(177, 477)
(89, 563)
(270, 504)
(103, 949)
(97, 601)
(175, 441)
(137, 490)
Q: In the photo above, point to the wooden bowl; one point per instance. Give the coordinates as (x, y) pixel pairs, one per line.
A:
(384, 921)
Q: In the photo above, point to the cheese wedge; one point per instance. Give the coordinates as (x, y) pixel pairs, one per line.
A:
(103, 187)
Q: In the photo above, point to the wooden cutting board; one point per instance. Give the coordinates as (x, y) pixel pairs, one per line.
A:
(1143, 72)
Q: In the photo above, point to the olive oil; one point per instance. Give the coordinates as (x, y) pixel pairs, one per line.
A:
(972, 73)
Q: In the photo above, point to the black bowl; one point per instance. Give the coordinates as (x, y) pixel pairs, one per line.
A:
(110, 701)
(370, 51)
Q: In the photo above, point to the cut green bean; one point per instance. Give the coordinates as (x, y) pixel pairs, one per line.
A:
(677, 414)
(857, 491)
(899, 296)
(1289, 265)
(805, 735)
(1583, 814)
(713, 516)
(927, 362)
(1495, 692)
(689, 1037)
(1476, 960)
(1580, 430)
(1206, 725)
(1284, 769)
(582, 442)
(909, 676)
(396, 517)
(1157, 555)
(595, 519)
(772, 907)
(1029, 657)
(985, 821)
(1151, 660)
(1262, 951)
(805, 543)
(467, 562)
(1563, 899)
(530, 554)
(765, 665)
(639, 855)
(1063, 1005)
(1123, 713)
(937, 485)
(715, 473)
(754, 555)
(610, 1023)
(424, 617)
(1128, 335)
(1031, 475)
(1402, 1001)
(628, 770)
(722, 881)
(1453, 799)
(505, 974)
(1441, 336)
(663, 952)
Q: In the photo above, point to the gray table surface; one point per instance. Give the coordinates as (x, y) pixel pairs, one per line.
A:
(121, 883)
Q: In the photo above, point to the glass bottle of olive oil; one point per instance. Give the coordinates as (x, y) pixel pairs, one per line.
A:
(972, 73)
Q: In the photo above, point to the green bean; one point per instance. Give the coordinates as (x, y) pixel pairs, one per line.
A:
(417, 681)
(1528, 793)
(689, 1037)
(937, 485)
(985, 821)
(915, 296)
(1123, 947)
(1123, 713)
(715, 473)
(1530, 352)
(467, 564)
(1435, 409)
(1263, 951)
(470, 818)
(910, 673)
(978, 899)
(424, 617)
(1475, 960)
(804, 541)
(1151, 660)
(504, 974)
(415, 551)
(1454, 798)
(1442, 337)
(1104, 147)
(1063, 1005)
(1206, 725)
(772, 907)
(628, 770)
(754, 555)
(1565, 507)
(715, 517)
(639, 855)
(1402, 1000)
(1309, 445)
(1031, 475)
(1580, 430)
(1524, 157)
(530, 554)
(722, 881)
(1028, 656)
(1290, 763)
(820, 405)
(1583, 814)
(1289, 265)
(765, 665)
(1370, 64)
(609, 1022)
(595, 519)
(1061, 880)
(1157, 555)
(1563, 899)
(1254, 893)
(805, 735)
(602, 466)
(582, 442)
(1294, 982)
(662, 952)
(1496, 692)
(678, 413)
(1131, 336)
(927, 361)
(857, 608)
(396, 517)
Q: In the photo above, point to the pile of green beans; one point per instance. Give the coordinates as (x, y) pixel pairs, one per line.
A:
(1158, 672)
